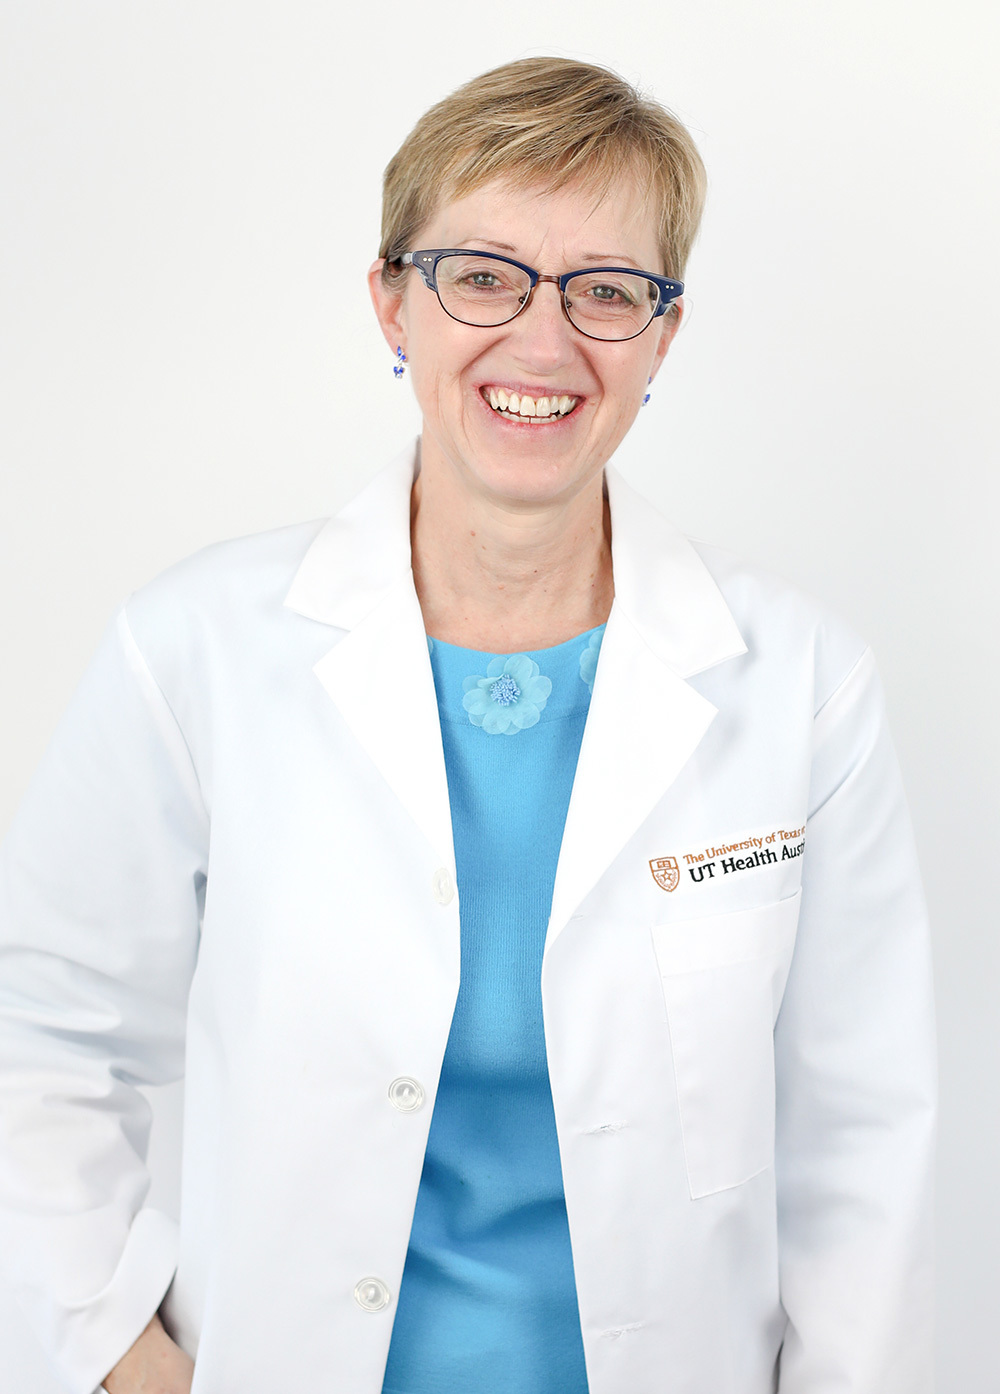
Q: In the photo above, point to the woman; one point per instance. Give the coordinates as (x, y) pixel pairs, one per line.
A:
(531, 889)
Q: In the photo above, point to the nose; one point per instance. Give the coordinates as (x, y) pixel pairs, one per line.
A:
(541, 336)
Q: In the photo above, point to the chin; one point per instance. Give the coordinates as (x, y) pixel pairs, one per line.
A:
(533, 478)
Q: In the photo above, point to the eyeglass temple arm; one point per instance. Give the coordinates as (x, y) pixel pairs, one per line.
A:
(424, 263)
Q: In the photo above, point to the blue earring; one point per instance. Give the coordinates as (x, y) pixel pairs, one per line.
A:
(647, 396)
(397, 368)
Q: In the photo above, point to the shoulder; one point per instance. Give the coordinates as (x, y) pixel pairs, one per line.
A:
(781, 623)
(239, 570)
(228, 595)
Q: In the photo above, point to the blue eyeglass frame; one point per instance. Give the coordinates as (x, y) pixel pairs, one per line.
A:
(426, 263)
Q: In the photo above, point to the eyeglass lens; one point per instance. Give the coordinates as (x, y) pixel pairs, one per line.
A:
(606, 305)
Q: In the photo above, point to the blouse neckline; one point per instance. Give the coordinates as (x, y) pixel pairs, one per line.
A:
(501, 689)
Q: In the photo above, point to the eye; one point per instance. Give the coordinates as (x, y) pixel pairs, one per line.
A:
(610, 294)
(478, 276)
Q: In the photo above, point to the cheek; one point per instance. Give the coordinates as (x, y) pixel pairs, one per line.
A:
(627, 385)
(436, 381)
(437, 354)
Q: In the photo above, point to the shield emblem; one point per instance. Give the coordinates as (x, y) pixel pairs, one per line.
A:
(666, 872)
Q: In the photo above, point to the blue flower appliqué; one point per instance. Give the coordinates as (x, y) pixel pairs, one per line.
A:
(509, 699)
(588, 659)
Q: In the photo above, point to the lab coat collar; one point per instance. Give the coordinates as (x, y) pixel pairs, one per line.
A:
(360, 552)
(665, 588)
(668, 622)
(364, 550)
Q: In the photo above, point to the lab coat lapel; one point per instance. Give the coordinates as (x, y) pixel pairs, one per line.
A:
(668, 621)
(357, 576)
(380, 678)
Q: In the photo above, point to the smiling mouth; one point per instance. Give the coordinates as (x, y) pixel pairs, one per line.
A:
(529, 411)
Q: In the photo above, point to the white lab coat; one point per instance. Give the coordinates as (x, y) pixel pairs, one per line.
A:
(240, 842)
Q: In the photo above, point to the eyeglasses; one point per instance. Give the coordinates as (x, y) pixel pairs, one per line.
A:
(603, 302)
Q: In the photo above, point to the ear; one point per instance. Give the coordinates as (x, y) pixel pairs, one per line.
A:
(669, 325)
(388, 307)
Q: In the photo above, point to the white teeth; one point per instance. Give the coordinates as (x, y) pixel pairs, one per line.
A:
(528, 409)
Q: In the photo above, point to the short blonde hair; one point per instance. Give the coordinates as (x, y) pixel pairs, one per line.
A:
(546, 121)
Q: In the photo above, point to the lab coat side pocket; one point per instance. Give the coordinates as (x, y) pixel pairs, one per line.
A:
(723, 977)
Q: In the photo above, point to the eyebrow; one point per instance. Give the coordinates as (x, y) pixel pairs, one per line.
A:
(595, 258)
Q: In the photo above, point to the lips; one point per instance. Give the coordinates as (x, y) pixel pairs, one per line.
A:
(527, 409)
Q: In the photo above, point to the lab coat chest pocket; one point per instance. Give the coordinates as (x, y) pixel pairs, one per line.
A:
(723, 978)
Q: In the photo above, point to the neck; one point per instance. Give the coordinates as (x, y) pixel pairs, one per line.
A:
(502, 577)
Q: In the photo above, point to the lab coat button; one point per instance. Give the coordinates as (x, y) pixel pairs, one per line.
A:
(444, 886)
(371, 1294)
(406, 1095)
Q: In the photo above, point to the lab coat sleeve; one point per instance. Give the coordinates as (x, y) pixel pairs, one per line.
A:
(101, 886)
(855, 1074)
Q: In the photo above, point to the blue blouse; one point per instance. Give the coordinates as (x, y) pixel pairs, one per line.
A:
(487, 1301)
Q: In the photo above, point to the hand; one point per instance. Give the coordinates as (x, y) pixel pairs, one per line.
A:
(154, 1365)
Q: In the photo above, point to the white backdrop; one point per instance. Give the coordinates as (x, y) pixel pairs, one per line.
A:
(191, 201)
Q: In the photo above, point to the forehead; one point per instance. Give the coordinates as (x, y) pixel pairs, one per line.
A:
(574, 223)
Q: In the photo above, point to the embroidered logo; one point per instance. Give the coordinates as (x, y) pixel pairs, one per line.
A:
(763, 847)
(666, 872)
